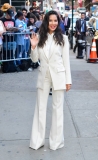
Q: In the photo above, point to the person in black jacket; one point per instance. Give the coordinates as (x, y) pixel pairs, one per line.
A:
(81, 29)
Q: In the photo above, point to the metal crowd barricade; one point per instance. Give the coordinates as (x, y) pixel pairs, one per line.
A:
(15, 46)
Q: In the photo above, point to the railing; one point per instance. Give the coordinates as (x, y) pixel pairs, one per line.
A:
(15, 46)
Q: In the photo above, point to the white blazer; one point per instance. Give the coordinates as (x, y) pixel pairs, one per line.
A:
(58, 64)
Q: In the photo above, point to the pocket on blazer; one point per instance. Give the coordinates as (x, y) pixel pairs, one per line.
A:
(61, 69)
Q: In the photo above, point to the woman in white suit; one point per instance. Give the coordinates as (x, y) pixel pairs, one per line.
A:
(52, 48)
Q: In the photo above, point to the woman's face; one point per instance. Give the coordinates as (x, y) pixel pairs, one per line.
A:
(53, 23)
(32, 20)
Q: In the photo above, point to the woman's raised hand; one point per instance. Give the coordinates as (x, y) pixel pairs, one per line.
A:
(34, 40)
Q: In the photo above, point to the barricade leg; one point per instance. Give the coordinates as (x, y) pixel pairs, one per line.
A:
(19, 53)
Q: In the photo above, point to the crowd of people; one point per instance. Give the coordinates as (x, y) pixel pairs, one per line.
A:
(21, 22)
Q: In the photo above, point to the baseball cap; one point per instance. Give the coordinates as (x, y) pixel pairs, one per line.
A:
(5, 7)
(10, 12)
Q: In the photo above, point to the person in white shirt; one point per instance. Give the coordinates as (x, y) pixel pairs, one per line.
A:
(52, 48)
(87, 12)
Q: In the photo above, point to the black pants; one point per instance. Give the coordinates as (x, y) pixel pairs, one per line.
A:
(66, 30)
(82, 36)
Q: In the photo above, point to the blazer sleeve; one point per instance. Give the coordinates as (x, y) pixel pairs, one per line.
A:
(34, 55)
(66, 60)
(85, 27)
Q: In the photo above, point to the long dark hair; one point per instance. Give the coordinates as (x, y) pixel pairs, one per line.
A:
(58, 36)
(31, 16)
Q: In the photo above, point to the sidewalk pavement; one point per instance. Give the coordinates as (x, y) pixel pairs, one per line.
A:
(17, 99)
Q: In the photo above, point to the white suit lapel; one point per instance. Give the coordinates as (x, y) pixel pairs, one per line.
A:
(52, 48)
(44, 51)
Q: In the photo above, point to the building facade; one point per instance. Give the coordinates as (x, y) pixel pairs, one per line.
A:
(18, 4)
(21, 3)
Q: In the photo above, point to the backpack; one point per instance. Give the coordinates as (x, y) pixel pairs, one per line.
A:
(8, 66)
(25, 64)
(35, 65)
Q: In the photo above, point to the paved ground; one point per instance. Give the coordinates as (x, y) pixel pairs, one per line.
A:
(17, 99)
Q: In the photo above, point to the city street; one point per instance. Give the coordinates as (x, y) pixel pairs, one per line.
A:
(17, 100)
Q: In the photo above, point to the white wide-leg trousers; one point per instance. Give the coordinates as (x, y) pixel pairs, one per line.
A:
(56, 138)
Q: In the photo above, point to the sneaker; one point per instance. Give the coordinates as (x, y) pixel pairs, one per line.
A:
(38, 63)
(30, 69)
